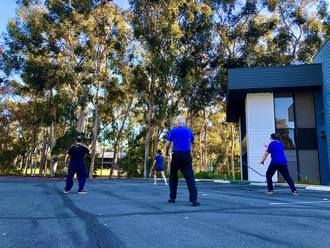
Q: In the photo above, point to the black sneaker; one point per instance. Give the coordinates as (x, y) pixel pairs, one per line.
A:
(171, 200)
(82, 192)
(195, 203)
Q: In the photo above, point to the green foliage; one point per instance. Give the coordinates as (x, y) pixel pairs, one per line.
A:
(64, 143)
(132, 163)
(303, 181)
(80, 66)
(6, 162)
(308, 181)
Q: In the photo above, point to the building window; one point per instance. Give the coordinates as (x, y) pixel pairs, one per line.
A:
(295, 123)
(284, 114)
(287, 137)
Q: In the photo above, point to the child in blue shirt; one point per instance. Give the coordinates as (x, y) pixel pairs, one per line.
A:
(158, 161)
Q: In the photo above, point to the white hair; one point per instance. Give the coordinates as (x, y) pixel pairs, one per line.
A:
(180, 120)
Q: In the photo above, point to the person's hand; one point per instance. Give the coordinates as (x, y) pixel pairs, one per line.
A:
(265, 145)
(261, 162)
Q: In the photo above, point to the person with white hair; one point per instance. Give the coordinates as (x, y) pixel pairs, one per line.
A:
(182, 137)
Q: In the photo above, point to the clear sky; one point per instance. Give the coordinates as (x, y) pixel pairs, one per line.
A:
(8, 7)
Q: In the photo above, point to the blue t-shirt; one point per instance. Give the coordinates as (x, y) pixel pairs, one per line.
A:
(181, 138)
(276, 149)
(159, 162)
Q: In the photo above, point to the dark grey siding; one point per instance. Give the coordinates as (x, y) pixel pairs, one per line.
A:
(323, 56)
(275, 77)
(321, 139)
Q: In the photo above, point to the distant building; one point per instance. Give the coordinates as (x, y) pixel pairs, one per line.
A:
(108, 159)
(293, 101)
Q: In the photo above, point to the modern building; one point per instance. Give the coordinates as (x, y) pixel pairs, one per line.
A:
(293, 101)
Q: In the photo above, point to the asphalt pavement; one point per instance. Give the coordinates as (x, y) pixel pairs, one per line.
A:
(135, 213)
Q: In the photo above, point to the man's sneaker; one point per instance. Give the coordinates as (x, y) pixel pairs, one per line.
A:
(171, 200)
(66, 191)
(155, 183)
(81, 192)
(269, 192)
(195, 203)
(295, 193)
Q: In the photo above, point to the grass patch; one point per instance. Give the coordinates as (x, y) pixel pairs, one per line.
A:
(308, 181)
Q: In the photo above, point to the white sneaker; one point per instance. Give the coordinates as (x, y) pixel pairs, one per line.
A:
(155, 183)
(166, 183)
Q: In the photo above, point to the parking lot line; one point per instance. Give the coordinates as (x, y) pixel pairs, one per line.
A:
(287, 203)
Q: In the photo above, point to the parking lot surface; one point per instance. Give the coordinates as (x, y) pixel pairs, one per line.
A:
(135, 213)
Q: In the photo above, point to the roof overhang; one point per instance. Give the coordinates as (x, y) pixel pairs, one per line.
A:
(269, 79)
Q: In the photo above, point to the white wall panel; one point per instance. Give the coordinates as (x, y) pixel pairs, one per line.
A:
(259, 110)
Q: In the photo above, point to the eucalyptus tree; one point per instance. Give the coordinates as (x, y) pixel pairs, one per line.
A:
(265, 33)
(29, 53)
(195, 68)
(92, 36)
(156, 26)
(301, 28)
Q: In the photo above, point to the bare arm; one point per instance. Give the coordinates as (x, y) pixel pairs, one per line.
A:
(264, 158)
(167, 146)
(153, 165)
(66, 159)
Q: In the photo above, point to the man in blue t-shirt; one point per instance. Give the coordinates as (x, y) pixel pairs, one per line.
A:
(158, 161)
(181, 137)
(77, 154)
(278, 163)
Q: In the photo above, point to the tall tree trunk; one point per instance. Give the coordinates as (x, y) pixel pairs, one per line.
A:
(96, 122)
(232, 129)
(224, 138)
(67, 115)
(46, 160)
(200, 151)
(205, 140)
(53, 134)
(170, 150)
(28, 158)
(35, 161)
(120, 133)
(171, 126)
(158, 132)
(32, 161)
(43, 155)
(83, 111)
(150, 111)
(52, 144)
(102, 160)
(94, 138)
(22, 162)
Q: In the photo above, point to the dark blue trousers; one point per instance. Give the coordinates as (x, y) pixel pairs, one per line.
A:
(80, 169)
(182, 162)
(283, 169)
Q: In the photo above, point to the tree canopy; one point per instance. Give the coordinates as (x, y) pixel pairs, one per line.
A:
(118, 76)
